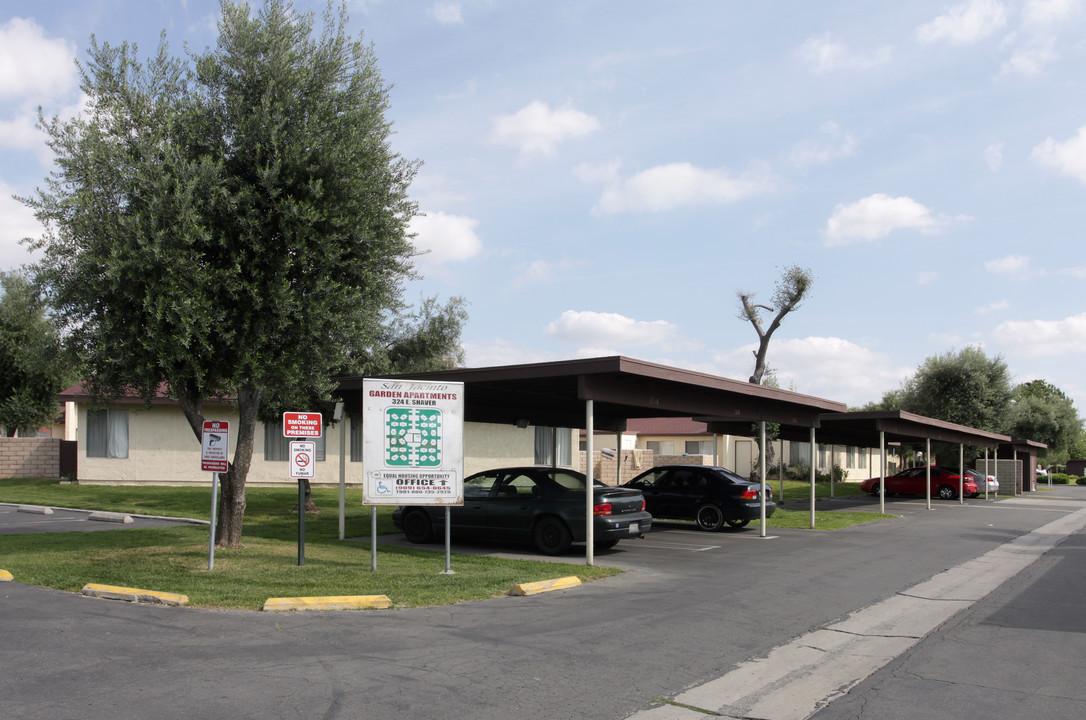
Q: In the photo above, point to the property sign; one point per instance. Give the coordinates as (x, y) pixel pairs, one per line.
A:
(303, 425)
(303, 459)
(413, 442)
(215, 446)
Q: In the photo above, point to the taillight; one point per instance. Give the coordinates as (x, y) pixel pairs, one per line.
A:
(749, 494)
(602, 509)
(643, 505)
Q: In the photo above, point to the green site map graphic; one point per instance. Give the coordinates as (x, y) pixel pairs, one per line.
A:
(412, 438)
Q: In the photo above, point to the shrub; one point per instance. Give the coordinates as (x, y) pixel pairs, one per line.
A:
(1060, 478)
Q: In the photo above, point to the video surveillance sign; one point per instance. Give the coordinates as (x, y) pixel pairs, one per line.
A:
(413, 442)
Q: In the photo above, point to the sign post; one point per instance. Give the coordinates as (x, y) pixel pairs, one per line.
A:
(413, 446)
(214, 458)
(303, 460)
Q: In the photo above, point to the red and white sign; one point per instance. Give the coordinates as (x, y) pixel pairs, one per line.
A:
(303, 459)
(302, 425)
(215, 446)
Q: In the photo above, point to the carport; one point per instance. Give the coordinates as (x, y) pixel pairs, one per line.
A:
(602, 393)
(876, 429)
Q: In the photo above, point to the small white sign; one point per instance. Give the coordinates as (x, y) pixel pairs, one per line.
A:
(215, 446)
(303, 459)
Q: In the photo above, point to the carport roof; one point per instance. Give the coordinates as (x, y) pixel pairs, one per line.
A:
(554, 394)
(862, 429)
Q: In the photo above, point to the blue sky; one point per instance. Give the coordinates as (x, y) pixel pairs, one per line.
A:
(601, 176)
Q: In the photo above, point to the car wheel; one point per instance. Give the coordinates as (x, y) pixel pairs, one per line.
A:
(709, 517)
(947, 493)
(552, 537)
(875, 491)
(606, 544)
(417, 527)
(739, 523)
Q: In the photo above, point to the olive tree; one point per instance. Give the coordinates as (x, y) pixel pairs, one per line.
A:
(231, 224)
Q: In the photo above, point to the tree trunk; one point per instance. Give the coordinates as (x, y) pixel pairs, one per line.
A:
(232, 498)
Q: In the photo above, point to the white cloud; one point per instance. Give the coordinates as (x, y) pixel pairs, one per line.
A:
(1008, 265)
(1067, 158)
(619, 330)
(878, 215)
(445, 238)
(537, 129)
(540, 272)
(993, 156)
(928, 277)
(1075, 272)
(1030, 61)
(993, 307)
(827, 367)
(17, 221)
(824, 55)
(495, 352)
(966, 23)
(33, 65)
(837, 144)
(667, 187)
(1036, 338)
(448, 13)
(1045, 13)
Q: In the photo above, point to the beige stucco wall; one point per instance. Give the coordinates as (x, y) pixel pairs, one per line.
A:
(163, 450)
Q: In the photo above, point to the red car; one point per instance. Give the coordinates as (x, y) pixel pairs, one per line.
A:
(944, 484)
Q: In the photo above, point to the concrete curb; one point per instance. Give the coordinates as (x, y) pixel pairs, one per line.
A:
(534, 588)
(35, 509)
(114, 592)
(5, 576)
(331, 602)
(111, 517)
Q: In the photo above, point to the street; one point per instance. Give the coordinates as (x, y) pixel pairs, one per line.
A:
(690, 608)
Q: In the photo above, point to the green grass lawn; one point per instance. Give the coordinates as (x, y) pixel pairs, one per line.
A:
(174, 559)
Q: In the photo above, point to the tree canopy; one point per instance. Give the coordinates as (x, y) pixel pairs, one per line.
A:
(965, 387)
(1040, 411)
(33, 367)
(233, 224)
(788, 294)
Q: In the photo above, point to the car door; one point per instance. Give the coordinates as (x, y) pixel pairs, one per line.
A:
(512, 504)
(473, 515)
(649, 485)
(909, 482)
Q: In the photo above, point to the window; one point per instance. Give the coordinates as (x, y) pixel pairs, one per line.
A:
(107, 433)
(277, 447)
(356, 439)
(857, 458)
(660, 447)
(699, 447)
(545, 438)
(799, 452)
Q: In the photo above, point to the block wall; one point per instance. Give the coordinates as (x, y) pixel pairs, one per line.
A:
(29, 457)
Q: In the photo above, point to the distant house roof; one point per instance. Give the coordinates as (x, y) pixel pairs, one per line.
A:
(80, 393)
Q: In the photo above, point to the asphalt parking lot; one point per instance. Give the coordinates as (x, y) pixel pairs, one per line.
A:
(691, 608)
(17, 519)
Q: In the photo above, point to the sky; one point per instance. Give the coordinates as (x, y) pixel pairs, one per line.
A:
(601, 177)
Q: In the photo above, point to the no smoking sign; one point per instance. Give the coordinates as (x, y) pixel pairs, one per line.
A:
(302, 456)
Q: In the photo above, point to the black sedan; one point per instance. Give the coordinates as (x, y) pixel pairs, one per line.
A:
(541, 505)
(710, 496)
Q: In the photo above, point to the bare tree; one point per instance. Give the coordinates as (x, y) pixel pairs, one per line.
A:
(788, 293)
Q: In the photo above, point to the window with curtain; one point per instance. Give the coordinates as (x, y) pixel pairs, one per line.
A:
(356, 439)
(544, 446)
(277, 447)
(660, 447)
(799, 452)
(107, 433)
(699, 447)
